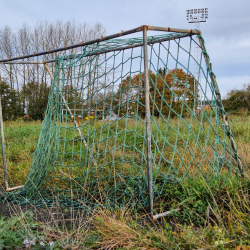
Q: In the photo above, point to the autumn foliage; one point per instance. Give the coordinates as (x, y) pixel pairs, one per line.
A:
(171, 93)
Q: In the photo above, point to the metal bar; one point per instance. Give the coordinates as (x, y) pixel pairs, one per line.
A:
(22, 62)
(13, 188)
(172, 30)
(126, 47)
(72, 116)
(220, 104)
(212, 76)
(122, 33)
(196, 43)
(3, 148)
(234, 147)
(157, 216)
(148, 130)
(105, 51)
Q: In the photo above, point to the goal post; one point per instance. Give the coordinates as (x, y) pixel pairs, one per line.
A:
(143, 123)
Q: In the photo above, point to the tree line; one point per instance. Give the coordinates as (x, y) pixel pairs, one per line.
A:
(170, 92)
(24, 88)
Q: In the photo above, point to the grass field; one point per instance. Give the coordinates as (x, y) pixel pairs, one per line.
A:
(21, 141)
(213, 214)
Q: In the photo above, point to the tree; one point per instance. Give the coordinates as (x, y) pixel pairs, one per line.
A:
(129, 91)
(238, 99)
(167, 88)
(171, 88)
(11, 107)
(37, 99)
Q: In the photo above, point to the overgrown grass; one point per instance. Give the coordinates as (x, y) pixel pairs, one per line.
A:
(213, 214)
(20, 142)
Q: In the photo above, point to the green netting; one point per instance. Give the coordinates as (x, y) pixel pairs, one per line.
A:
(93, 149)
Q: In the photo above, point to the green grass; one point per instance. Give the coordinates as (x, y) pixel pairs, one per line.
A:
(20, 144)
(17, 229)
(21, 140)
(213, 214)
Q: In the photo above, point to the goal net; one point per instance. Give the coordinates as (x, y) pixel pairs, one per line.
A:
(108, 138)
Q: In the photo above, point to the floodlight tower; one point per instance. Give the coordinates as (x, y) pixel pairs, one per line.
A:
(197, 16)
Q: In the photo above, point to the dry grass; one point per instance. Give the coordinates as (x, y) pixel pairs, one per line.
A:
(118, 230)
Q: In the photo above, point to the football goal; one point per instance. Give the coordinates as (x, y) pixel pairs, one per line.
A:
(125, 117)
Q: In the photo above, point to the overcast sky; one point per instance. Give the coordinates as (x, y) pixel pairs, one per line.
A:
(226, 32)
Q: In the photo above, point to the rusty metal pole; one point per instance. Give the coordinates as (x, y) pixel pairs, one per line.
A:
(82, 44)
(220, 104)
(233, 144)
(3, 148)
(148, 130)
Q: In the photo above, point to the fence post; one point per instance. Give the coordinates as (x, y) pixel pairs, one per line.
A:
(148, 130)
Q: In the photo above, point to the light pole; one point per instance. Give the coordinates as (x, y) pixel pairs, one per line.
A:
(197, 16)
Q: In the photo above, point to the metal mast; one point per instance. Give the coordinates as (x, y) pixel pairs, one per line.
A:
(197, 16)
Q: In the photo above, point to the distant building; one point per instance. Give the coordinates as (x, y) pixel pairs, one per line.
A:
(205, 105)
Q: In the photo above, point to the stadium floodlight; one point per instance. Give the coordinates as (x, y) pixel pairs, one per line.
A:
(197, 15)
